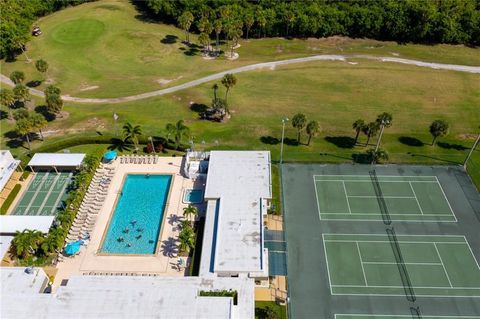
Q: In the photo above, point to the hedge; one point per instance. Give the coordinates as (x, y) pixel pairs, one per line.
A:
(8, 202)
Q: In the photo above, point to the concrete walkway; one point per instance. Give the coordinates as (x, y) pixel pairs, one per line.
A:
(273, 64)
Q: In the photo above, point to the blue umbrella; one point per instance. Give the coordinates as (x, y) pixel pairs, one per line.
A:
(73, 248)
(110, 155)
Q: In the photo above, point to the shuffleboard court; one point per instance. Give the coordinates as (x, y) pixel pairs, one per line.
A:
(45, 194)
(408, 198)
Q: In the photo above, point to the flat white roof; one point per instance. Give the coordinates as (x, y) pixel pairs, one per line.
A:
(129, 297)
(8, 165)
(57, 159)
(5, 242)
(241, 182)
(16, 281)
(9, 224)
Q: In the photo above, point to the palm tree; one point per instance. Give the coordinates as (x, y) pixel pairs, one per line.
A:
(299, 121)
(17, 77)
(229, 80)
(312, 130)
(178, 131)
(23, 128)
(248, 20)
(438, 128)
(370, 130)
(217, 26)
(132, 133)
(42, 66)
(187, 239)
(190, 211)
(51, 243)
(8, 100)
(385, 119)
(378, 156)
(357, 126)
(21, 93)
(215, 89)
(26, 242)
(185, 22)
(204, 40)
(38, 122)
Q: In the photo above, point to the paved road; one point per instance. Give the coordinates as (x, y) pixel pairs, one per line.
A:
(273, 64)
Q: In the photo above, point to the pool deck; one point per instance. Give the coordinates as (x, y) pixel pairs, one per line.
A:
(164, 263)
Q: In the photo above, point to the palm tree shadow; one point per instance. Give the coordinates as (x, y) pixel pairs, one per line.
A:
(341, 141)
(169, 247)
(120, 145)
(269, 140)
(410, 141)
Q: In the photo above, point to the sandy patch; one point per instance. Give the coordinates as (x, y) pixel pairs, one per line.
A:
(467, 136)
(230, 57)
(166, 81)
(273, 67)
(353, 63)
(88, 88)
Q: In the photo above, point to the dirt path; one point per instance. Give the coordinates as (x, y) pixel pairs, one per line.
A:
(271, 65)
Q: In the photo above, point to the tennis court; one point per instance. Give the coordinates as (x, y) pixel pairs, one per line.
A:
(366, 264)
(45, 194)
(375, 242)
(408, 198)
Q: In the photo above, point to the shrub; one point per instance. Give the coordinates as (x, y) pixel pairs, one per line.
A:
(8, 202)
(220, 293)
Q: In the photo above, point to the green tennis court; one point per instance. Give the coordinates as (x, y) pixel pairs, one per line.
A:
(365, 264)
(45, 194)
(353, 197)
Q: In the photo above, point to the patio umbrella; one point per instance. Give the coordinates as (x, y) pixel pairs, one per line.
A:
(72, 248)
(110, 155)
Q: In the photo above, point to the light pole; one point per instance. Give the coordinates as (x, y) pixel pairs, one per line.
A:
(284, 120)
(471, 151)
(153, 146)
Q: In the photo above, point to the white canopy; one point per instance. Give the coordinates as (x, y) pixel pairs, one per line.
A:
(9, 224)
(57, 159)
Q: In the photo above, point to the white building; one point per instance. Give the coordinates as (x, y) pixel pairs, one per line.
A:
(8, 165)
(238, 193)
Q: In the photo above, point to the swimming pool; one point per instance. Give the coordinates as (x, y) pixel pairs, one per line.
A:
(137, 219)
(193, 196)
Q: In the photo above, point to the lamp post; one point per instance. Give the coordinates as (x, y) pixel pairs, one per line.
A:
(284, 120)
(153, 146)
(471, 151)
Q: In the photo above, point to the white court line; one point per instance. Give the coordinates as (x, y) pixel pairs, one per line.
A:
(444, 269)
(346, 197)
(395, 220)
(394, 263)
(470, 248)
(377, 235)
(371, 196)
(316, 196)
(326, 261)
(361, 263)
(368, 181)
(441, 188)
(403, 295)
(387, 242)
(401, 287)
(389, 176)
(415, 194)
(394, 214)
(403, 316)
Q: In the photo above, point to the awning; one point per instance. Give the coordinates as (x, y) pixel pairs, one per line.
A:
(57, 159)
(9, 224)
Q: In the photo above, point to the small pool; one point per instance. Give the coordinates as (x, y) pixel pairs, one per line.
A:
(193, 196)
(137, 219)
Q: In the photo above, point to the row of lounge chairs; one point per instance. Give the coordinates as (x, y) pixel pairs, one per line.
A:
(138, 159)
(92, 202)
(95, 273)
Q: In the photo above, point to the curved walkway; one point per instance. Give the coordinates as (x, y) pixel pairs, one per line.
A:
(273, 64)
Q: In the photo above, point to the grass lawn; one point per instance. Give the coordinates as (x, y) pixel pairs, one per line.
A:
(260, 306)
(105, 49)
(333, 93)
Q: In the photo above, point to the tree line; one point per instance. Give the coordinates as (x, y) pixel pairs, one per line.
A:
(427, 21)
(17, 17)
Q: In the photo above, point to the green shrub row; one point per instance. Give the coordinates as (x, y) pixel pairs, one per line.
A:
(220, 293)
(10, 198)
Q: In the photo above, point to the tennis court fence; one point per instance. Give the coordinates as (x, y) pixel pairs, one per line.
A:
(381, 200)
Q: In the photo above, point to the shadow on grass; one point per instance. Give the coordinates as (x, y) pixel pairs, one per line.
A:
(198, 107)
(361, 158)
(449, 146)
(341, 141)
(169, 39)
(120, 145)
(42, 109)
(435, 158)
(410, 141)
(33, 83)
(269, 140)
(3, 115)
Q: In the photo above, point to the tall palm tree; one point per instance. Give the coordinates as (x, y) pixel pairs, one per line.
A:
(187, 239)
(357, 126)
(312, 130)
(215, 89)
(132, 133)
(378, 156)
(204, 40)
(185, 22)
(370, 130)
(26, 242)
(229, 80)
(23, 128)
(178, 131)
(299, 121)
(38, 122)
(7, 99)
(217, 26)
(190, 211)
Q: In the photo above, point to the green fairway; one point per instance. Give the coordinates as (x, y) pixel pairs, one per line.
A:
(108, 49)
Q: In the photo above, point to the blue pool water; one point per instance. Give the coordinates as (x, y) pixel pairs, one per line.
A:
(193, 196)
(135, 225)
